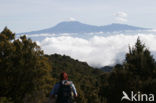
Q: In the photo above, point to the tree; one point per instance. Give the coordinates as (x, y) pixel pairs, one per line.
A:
(135, 74)
(24, 70)
(8, 34)
(141, 64)
(140, 61)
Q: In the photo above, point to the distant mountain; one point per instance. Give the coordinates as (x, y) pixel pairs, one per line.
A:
(78, 27)
(107, 68)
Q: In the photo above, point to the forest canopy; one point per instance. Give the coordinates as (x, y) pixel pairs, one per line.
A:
(28, 75)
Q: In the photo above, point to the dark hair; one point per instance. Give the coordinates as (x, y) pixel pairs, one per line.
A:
(63, 76)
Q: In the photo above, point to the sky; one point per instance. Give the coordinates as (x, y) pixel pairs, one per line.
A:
(29, 15)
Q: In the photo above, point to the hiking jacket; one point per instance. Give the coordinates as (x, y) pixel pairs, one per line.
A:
(57, 86)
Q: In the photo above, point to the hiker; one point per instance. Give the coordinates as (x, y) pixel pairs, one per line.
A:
(63, 91)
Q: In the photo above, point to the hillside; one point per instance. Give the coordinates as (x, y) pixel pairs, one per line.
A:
(84, 77)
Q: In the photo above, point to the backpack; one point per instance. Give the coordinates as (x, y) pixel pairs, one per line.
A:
(64, 94)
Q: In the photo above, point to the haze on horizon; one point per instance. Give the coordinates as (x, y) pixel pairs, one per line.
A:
(30, 15)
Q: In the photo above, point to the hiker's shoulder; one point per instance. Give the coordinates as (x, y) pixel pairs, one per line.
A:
(67, 82)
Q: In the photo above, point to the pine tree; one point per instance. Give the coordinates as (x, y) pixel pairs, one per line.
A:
(135, 74)
(139, 60)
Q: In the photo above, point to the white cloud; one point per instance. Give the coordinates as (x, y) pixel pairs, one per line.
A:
(98, 50)
(72, 19)
(121, 16)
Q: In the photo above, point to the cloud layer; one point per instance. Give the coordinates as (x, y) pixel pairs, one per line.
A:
(97, 51)
(121, 16)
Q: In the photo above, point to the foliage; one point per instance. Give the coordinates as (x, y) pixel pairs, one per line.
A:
(23, 67)
(83, 76)
(28, 75)
(137, 73)
(5, 100)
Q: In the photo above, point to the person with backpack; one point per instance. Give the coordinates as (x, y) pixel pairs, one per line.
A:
(64, 91)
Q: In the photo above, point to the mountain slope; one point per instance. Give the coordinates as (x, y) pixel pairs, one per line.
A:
(84, 77)
(78, 27)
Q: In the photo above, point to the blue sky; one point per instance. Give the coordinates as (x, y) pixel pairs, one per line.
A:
(28, 15)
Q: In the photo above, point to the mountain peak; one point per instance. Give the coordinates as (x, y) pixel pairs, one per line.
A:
(78, 27)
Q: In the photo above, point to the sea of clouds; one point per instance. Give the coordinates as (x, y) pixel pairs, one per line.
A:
(97, 51)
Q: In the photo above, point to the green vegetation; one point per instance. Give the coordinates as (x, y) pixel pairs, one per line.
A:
(24, 71)
(83, 76)
(28, 75)
(137, 73)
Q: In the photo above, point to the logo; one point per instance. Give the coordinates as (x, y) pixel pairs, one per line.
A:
(137, 97)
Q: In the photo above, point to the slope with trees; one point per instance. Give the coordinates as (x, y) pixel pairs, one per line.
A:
(28, 75)
(24, 71)
(137, 73)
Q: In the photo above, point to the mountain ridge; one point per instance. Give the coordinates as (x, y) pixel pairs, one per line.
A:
(78, 27)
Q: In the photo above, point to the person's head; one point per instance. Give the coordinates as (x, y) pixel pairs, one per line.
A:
(63, 76)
